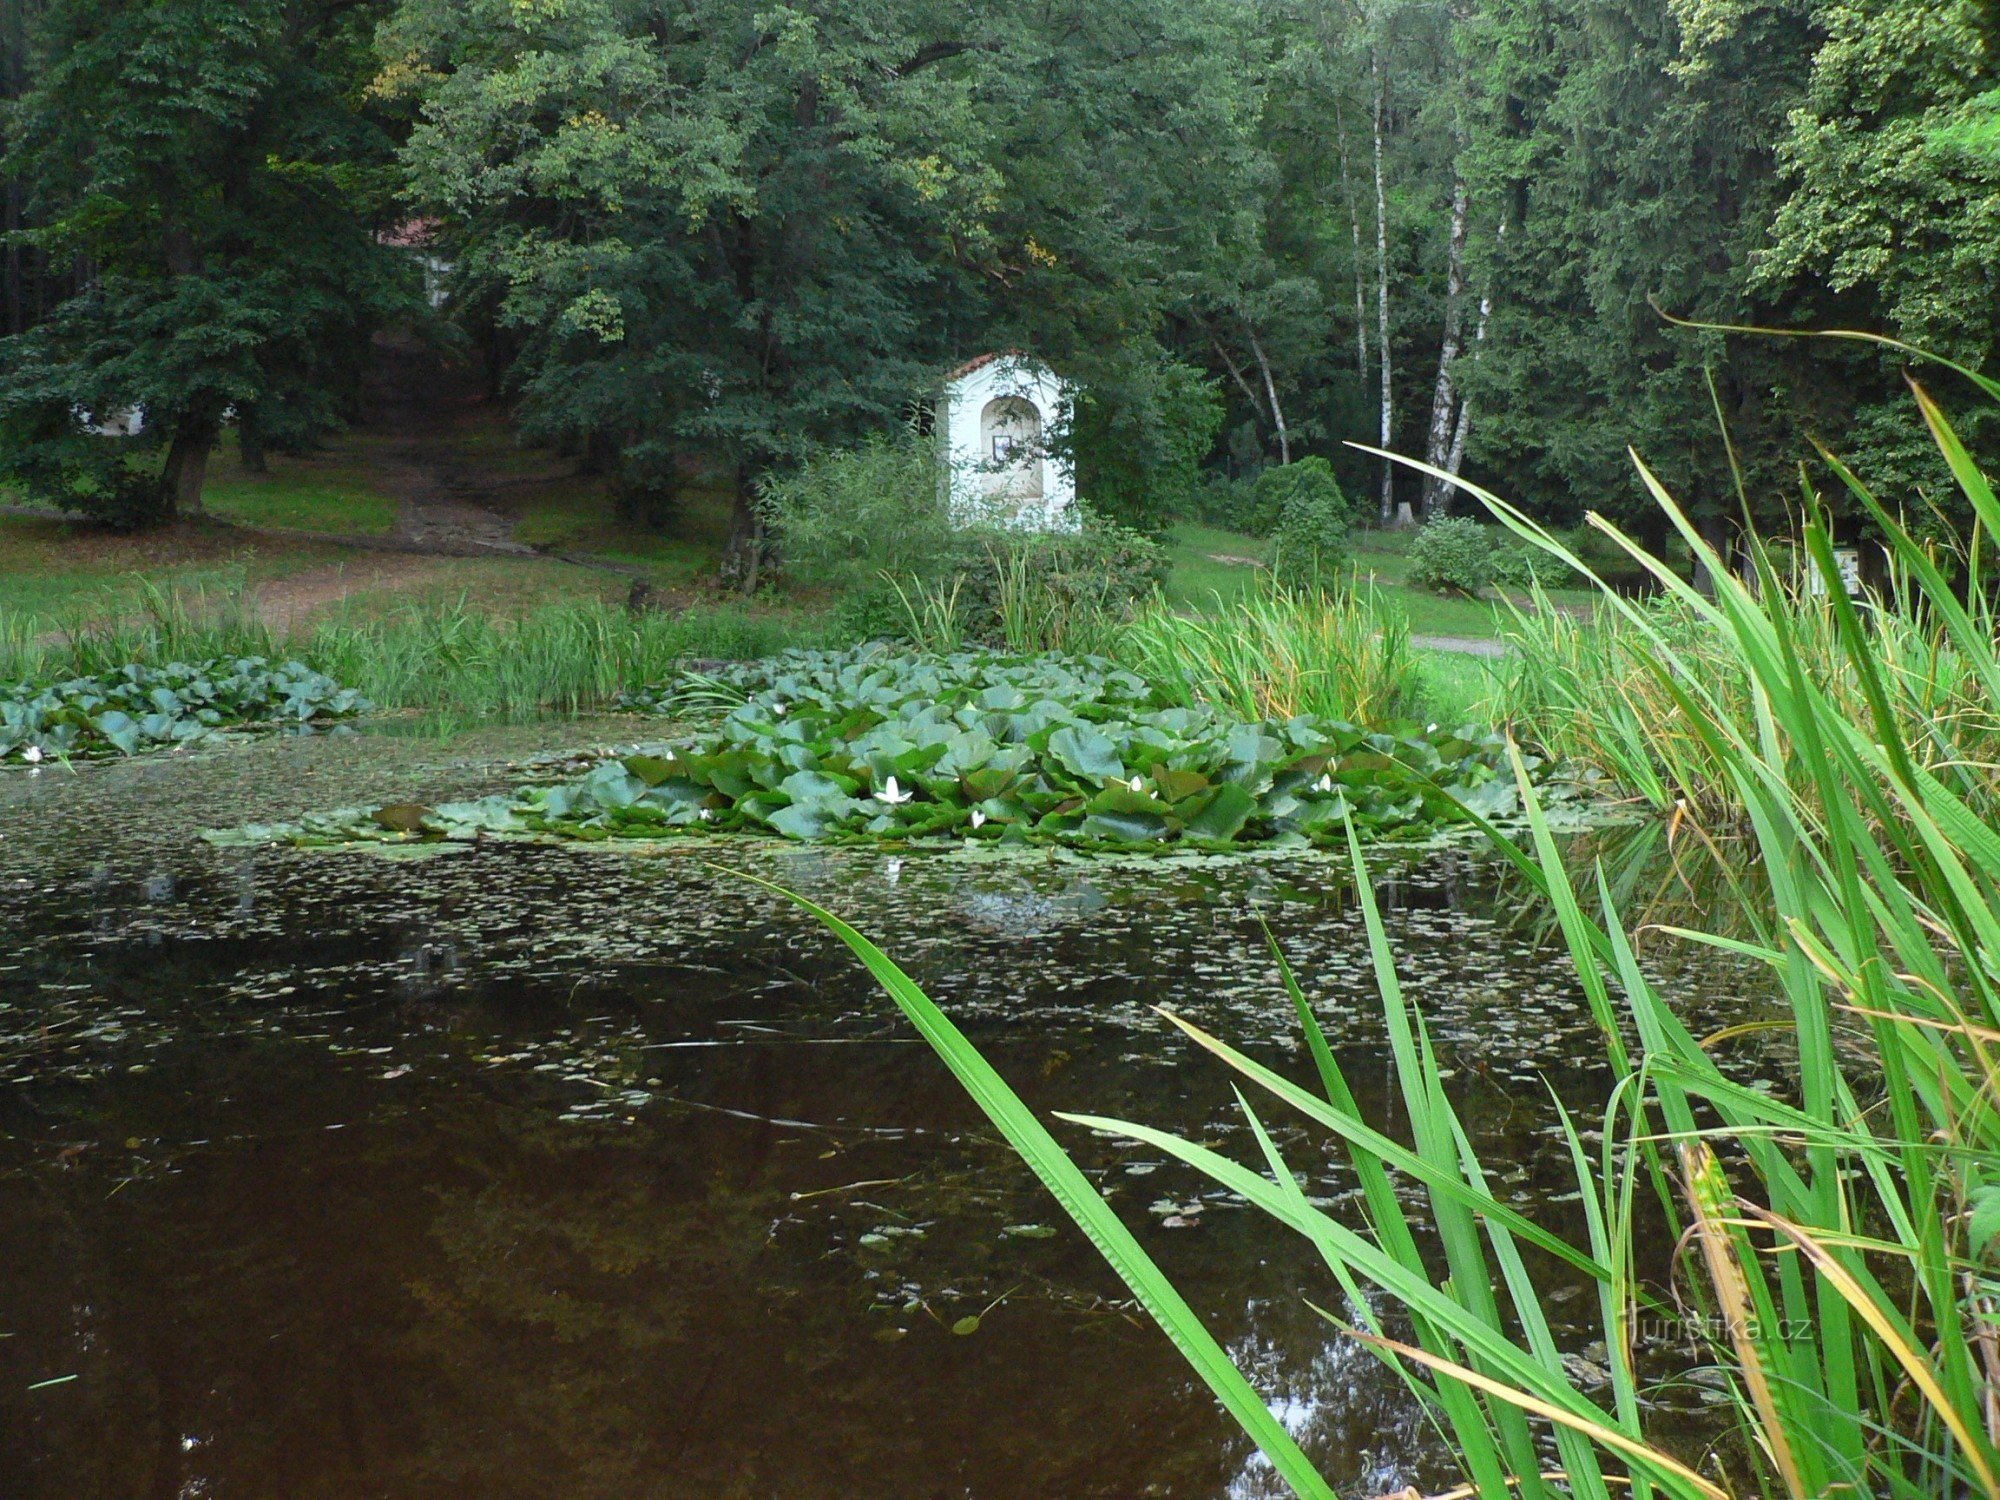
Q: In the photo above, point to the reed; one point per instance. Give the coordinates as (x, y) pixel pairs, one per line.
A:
(1842, 1231)
(1274, 651)
(449, 658)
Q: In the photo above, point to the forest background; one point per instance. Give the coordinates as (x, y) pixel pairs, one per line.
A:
(702, 240)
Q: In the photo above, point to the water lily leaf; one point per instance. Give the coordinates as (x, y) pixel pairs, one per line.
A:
(992, 781)
(402, 817)
(1178, 786)
(1120, 798)
(1224, 813)
(803, 821)
(1125, 827)
(1086, 753)
(651, 769)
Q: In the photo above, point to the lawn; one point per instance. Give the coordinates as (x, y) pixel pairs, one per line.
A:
(56, 572)
(1205, 561)
(579, 517)
(339, 490)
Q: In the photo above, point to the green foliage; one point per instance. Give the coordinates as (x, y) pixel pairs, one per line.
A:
(848, 516)
(870, 523)
(1516, 567)
(1232, 505)
(449, 659)
(1839, 1232)
(1452, 555)
(1140, 437)
(1313, 519)
(214, 165)
(1032, 590)
(869, 744)
(139, 708)
(733, 237)
(1897, 171)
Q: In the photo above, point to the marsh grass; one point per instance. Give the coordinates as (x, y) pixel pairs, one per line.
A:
(1274, 651)
(449, 660)
(1591, 692)
(1840, 1234)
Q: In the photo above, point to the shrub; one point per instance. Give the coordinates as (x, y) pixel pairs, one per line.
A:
(1518, 567)
(1312, 519)
(1452, 555)
(1105, 567)
(847, 516)
(1234, 505)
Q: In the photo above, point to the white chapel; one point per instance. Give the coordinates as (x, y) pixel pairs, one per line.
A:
(995, 418)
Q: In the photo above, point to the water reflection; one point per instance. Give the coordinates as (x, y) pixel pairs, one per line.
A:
(532, 1171)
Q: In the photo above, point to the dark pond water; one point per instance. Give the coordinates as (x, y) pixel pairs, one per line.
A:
(568, 1172)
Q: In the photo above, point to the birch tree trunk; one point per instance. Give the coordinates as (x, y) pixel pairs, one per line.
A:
(1360, 256)
(1391, 516)
(1437, 447)
(1277, 411)
(1455, 459)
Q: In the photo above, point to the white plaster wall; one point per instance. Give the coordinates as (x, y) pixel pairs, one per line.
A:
(966, 464)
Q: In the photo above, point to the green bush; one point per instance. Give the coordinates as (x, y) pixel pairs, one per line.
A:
(847, 516)
(1520, 567)
(1313, 517)
(1606, 559)
(1452, 555)
(1233, 505)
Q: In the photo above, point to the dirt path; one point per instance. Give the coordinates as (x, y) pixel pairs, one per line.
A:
(285, 603)
(422, 404)
(1464, 645)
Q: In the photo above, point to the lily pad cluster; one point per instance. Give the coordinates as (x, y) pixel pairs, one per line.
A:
(868, 745)
(138, 708)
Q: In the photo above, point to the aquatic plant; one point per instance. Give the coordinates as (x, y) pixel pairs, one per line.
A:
(1841, 1235)
(137, 708)
(448, 658)
(1592, 692)
(1275, 651)
(875, 744)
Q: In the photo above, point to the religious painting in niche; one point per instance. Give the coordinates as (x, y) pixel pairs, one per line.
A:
(1011, 432)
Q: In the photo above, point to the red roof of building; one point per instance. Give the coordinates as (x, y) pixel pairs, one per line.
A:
(980, 361)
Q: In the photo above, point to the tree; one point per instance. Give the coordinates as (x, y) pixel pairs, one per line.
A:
(1629, 146)
(208, 164)
(727, 236)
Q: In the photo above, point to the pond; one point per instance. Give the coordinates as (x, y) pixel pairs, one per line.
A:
(534, 1170)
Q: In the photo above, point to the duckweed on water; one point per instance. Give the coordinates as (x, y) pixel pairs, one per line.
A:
(139, 708)
(870, 745)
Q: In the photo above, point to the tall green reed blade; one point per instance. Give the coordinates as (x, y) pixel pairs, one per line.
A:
(1081, 1202)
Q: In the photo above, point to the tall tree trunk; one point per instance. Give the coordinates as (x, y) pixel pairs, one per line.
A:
(1455, 459)
(1437, 447)
(1360, 258)
(187, 468)
(1391, 516)
(250, 442)
(1277, 411)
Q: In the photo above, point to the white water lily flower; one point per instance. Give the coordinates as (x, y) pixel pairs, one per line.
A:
(32, 754)
(1430, 729)
(1324, 784)
(707, 813)
(893, 794)
(978, 818)
(1137, 784)
(778, 708)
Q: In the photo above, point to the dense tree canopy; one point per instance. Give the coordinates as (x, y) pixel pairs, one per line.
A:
(205, 164)
(709, 238)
